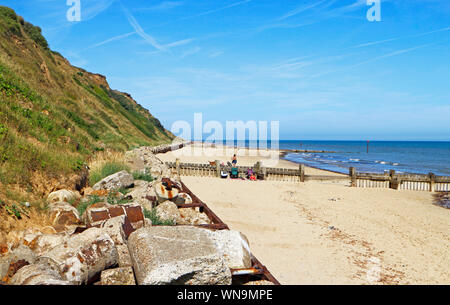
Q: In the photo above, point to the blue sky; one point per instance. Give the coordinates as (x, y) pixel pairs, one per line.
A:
(317, 66)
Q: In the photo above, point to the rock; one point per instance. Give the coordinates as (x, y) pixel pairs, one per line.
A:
(177, 255)
(190, 216)
(22, 252)
(38, 274)
(124, 258)
(116, 181)
(140, 192)
(64, 214)
(168, 211)
(45, 242)
(118, 276)
(259, 283)
(234, 246)
(82, 256)
(113, 227)
(96, 215)
(162, 194)
(63, 196)
(183, 198)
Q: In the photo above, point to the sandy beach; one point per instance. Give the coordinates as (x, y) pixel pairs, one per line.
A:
(326, 232)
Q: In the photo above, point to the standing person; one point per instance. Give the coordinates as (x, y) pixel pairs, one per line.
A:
(234, 160)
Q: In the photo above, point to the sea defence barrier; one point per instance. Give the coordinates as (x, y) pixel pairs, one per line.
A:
(393, 180)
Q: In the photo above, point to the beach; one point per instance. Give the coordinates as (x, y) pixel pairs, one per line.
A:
(326, 232)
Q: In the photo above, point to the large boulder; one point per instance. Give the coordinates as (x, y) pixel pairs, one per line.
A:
(116, 181)
(63, 196)
(38, 274)
(234, 246)
(82, 256)
(168, 211)
(177, 255)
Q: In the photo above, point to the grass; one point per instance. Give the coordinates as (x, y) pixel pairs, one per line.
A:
(156, 221)
(113, 198)
(106, 170)
(54, 117)
(143, 176)
(82, 206)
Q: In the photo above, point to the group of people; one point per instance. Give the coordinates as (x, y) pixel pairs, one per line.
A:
(235, 172)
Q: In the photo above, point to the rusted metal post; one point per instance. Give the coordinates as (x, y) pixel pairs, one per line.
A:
(218, 174)
(352, 173)
(302, 172)
(432, 181)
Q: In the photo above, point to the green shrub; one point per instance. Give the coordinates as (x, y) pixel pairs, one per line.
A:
(84, 205)
(143, 176)
(35, 34)
(106, 170)
(156, 221)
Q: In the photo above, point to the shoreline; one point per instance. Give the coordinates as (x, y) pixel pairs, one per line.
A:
(282, 154)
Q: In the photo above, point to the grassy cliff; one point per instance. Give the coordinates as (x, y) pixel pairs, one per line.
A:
(54, 116)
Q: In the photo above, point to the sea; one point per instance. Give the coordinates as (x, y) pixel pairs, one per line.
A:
(418, 157)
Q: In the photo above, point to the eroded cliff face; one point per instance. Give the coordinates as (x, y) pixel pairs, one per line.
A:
(54, 116)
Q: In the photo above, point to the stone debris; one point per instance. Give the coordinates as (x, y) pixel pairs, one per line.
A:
(141, 191)
(96, 215)
(22, 252)
(259, 283)
(63, 196)
(168, 211)
(118, 236)
(63, 214)
(190, 216)
(115, 182)
(118, 276)
(38, 274)
(162, 194)
(177, 255)
(234, 246)
(82, 256)
(183, 198)
(45, 242)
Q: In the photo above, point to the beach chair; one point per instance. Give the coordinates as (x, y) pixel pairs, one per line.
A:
(234, 174)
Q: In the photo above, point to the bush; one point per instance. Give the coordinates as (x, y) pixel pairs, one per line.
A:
(106, 170)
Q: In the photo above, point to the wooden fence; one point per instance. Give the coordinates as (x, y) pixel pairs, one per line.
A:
(214, 169)
(430, 182)
(414, 182)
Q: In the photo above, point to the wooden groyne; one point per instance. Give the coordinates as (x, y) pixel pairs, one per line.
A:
(393, 180)
(413, 182)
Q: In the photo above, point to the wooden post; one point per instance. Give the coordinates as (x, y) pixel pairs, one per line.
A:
(391, 179)
(432, 181)
(352, 173)
(302, 172)
(218, 174)
(264, 173)
(177, 168)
